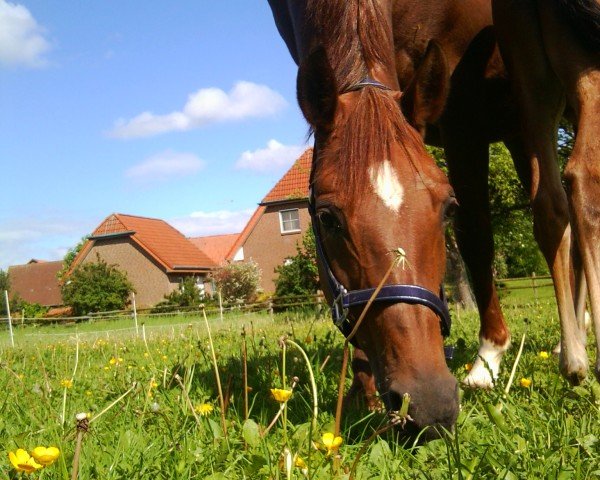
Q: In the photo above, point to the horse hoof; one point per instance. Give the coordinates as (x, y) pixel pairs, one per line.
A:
(574, 369)
(479, 377)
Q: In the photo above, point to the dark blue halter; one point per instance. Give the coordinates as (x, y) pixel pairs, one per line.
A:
(343, 299)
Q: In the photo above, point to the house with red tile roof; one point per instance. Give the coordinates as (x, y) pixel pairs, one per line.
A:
(278, 224)
(216, 246)
(155, 256)
(36, 282)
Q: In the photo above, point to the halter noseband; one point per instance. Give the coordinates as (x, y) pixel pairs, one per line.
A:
(343, 299)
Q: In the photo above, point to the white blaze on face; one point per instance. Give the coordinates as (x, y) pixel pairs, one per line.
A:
(386, 185)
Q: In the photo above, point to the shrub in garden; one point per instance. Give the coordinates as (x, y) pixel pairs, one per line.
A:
(29, 310)
(238, 282)
(96, 287)
(186, 295)
(299, 275)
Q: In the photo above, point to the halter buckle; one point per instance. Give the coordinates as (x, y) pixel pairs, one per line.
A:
(340, 313)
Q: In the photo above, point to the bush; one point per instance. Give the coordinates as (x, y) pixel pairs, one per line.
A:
(299, 275)
(238, 282)
(31, 310)
(187, 295)
(96, 287)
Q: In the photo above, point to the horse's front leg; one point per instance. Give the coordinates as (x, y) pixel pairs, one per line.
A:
(363, 390)
(468, 159)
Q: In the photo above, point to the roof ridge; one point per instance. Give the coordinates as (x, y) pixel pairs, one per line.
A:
(294, 182)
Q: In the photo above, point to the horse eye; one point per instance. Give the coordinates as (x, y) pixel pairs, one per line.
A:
(329, 221)
(450, 207)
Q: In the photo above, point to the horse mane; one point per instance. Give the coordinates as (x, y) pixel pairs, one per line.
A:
(584, 18)
(358, 36)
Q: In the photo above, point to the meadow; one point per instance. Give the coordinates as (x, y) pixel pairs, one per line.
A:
(152, 407)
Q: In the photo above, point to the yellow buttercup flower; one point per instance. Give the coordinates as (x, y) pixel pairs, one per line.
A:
(543, 355)
(300, 463)
(525, 382)
(331, 442)
(468, 367)
(204, 409)
(281, 395)
(45, 456)
(67, 383)
(23, 462)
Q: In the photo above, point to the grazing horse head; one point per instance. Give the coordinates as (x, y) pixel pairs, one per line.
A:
(377, 196)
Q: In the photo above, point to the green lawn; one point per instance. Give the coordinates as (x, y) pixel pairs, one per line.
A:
(548, 430)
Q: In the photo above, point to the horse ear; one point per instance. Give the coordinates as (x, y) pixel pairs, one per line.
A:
(424, 100)
(316, 90)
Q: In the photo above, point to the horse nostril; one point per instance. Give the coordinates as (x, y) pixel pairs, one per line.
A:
(392, 400)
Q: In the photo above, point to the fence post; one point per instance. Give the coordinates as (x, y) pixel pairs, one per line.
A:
(535, 293)
(137, 333)
(12, 339)
(220, 304)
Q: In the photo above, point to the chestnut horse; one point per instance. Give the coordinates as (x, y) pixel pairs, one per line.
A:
(375, 190)
(552, 51)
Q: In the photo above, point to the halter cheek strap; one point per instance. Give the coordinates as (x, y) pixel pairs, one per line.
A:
(391, 293)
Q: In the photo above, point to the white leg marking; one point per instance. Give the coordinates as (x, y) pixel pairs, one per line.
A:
(386, 185)
(486, 367)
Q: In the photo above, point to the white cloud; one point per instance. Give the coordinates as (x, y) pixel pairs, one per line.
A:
(22, 41)
(275, 157)
(46, 239)
(200, 223)
(165, 165)
(207, 105)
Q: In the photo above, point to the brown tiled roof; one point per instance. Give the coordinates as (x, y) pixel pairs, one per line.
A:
(168, 246)
(294, 184)
(36, 282)
(216, 246)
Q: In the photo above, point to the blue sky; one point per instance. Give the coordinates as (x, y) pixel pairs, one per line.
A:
(183, 111)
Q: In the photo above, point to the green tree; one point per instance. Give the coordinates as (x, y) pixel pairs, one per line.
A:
(96, 287)
(517, 253)
(299, 275)
(4, 285)
(238, 282)
(566, 142)
(70, 257)
(4, 281)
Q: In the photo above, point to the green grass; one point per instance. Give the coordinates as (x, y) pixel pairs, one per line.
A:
(549, 430)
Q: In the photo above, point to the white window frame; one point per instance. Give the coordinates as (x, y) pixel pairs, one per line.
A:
(281, 221)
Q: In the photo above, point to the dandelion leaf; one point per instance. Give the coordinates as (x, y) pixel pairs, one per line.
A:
(251, 433)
